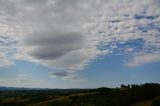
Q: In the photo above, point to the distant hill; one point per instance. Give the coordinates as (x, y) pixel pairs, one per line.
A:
(3, 88)
(126, 95)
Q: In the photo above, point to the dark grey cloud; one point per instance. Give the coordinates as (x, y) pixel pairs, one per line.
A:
(60, 74)
(54, 38)
(53, 45)
(47, 53)
(67, 76)
(42, 2)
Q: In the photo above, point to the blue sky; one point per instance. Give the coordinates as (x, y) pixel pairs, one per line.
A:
(108, 72)
(80, 43)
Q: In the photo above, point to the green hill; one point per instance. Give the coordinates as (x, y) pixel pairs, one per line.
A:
(129, 95)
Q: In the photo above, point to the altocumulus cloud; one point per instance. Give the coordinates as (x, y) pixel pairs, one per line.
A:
(69, 34)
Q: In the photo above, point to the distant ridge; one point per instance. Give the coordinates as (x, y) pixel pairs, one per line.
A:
(4, 88)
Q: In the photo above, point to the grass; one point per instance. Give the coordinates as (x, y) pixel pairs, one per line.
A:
(144, 103)
(64, 98)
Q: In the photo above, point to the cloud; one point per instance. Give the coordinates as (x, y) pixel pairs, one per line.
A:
(7, 48)
(7, 44)
(52, 45)
(144, 59)
(67, 76)
(4, 62)
(60, 74)
(68, 35)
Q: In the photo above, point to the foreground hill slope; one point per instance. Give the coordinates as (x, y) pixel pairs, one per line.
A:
(124, 96)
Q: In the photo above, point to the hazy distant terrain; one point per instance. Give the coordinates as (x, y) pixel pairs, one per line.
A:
(135, 95)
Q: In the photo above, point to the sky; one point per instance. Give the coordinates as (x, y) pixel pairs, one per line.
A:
(79, 43)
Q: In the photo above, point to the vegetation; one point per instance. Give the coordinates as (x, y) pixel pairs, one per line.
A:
(156, 102)
(126, 95)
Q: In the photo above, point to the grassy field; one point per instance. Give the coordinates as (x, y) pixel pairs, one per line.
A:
(144, 103)
(64, 98)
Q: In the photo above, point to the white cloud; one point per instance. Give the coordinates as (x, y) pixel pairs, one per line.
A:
(4, 62)
(144, 59)
(70, 34)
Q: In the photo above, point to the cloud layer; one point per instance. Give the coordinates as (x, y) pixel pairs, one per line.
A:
(69, 34)
(144, 59)
(4, 61)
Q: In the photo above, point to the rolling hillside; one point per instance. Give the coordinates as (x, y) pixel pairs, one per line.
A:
(129, 95)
